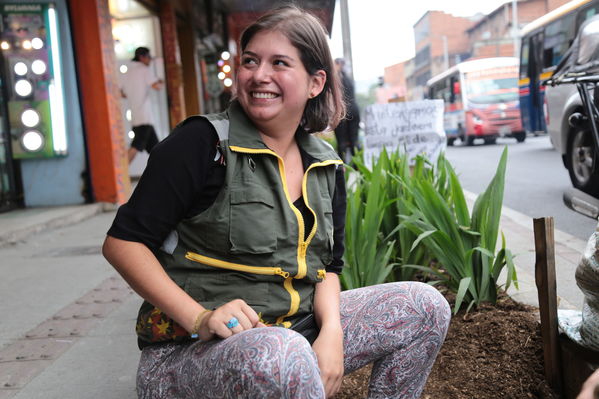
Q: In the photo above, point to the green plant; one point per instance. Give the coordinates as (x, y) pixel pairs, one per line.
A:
(395, 173)
(367, 250)
(463, 245)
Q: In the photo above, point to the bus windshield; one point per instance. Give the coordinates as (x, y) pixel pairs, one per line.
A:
(492, 85)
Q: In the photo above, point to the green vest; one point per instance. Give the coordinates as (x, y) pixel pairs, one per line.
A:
(251, 243)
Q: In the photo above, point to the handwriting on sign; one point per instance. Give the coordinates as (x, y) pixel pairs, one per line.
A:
(415, 127)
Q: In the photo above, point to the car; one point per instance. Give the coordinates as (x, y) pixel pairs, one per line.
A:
(569, 128)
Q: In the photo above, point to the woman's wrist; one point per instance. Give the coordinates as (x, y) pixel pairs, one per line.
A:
(197, 325)
(331, 325)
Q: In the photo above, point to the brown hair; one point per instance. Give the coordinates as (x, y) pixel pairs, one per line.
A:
(306, 33)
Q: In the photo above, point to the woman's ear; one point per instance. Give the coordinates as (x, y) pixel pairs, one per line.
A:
(319, 78)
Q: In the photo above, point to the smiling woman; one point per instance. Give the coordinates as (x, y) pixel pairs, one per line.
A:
(234, 237)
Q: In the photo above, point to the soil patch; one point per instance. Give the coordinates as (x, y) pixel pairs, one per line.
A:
(490, 353)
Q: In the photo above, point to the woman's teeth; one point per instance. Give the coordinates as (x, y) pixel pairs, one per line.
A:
(263, 95)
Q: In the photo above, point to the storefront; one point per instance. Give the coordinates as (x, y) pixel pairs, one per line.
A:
(42, 157)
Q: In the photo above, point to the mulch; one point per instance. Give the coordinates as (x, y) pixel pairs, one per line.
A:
(491, 352)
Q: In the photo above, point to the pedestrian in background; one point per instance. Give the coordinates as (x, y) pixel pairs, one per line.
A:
(234, 238)
(347, 130)
(136, 88)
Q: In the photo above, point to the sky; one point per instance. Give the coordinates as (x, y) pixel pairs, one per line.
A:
(382, 31)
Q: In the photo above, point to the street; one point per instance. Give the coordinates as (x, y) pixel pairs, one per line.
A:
(535, 179)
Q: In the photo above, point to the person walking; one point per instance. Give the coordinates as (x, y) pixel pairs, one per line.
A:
(136, 88)
(346, 132)
(234, 238)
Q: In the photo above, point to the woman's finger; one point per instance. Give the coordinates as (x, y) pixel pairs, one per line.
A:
(250, 313)
(234, 325)
(244, 321)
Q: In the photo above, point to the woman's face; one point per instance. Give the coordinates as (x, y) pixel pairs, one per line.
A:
(273, 85)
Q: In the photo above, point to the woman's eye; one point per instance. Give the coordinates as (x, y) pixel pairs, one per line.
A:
(280, 62)
(249, 61)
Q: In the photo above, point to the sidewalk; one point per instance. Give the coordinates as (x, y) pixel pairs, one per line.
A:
(69, 318)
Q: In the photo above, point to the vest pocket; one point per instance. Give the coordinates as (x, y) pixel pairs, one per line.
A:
(252, 228)
(214, 290)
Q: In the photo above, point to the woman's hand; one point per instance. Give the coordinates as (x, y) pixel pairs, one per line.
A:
(590, 389)
(215, 323)
(329, 352)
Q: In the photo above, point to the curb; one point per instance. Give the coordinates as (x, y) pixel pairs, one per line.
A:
(20, 224)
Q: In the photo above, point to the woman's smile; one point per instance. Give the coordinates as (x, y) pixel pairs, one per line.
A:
(263, 95)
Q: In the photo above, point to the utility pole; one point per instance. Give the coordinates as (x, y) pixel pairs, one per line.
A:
(515, 28)
(345, 31)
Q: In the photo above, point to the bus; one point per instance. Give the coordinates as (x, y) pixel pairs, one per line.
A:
(481, 100)
(544, 42)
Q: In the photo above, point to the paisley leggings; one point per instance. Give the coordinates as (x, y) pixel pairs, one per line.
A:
(398, 326)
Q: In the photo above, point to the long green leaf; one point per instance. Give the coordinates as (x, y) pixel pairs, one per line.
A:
(464, 283)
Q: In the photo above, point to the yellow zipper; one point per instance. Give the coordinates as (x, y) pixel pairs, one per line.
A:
(269, 271)
(302, 246)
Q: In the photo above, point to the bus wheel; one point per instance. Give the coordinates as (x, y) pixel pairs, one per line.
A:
(581, 162)
(490, 140)
(450, 141)
(469, 140)
(520, 137)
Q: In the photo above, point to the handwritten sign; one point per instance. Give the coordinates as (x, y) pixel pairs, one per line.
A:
(415, 127)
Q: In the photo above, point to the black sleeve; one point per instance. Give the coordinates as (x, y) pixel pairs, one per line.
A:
(339, 206)
(170, 186)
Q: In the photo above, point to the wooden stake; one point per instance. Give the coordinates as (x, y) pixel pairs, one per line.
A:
(547, 291)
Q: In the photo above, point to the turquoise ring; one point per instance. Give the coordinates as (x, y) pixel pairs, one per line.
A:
(233, 322)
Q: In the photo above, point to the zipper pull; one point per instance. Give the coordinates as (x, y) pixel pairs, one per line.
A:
(322, 274)
(280, 272)
(303, 247)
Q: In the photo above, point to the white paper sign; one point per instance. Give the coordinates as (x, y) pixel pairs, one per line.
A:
(415, 127)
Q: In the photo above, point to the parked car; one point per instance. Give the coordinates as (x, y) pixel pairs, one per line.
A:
(571, 98)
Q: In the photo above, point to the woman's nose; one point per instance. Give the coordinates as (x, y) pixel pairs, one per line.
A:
(262, 73)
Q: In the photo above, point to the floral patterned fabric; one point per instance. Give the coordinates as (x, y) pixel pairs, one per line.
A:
(398, 326)
(155, 326)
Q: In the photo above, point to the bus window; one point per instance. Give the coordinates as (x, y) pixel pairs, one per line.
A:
(536, 63)
(524, 59)
(557, 40)
(440, 91)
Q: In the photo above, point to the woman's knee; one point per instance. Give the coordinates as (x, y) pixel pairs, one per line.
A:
(425, 300)
(438, 305)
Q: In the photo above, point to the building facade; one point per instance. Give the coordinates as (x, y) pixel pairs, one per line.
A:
(439, 43)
